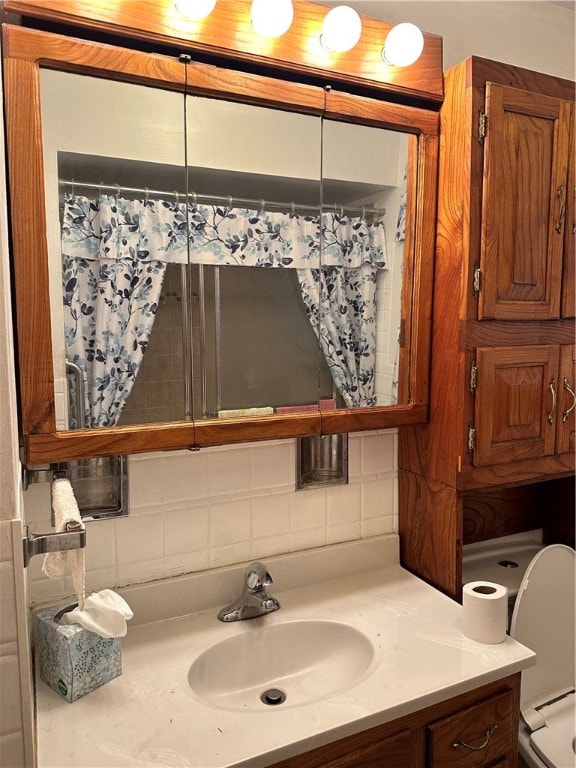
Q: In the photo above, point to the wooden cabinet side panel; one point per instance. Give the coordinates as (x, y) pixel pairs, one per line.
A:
(569, 262)
(434, 450)
(430, 527)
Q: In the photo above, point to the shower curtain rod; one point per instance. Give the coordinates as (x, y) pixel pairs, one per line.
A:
(260, 204)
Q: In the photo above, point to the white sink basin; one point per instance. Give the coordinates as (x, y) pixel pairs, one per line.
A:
(305, 660)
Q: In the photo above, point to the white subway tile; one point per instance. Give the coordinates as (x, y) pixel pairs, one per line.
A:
(230, 523)
(274, 545)
(10, 694)
(8, 627)
(343, 532)
(145, 481)
(378, 498)
(187, 562)
(185, 477)
(344, 504)
(100, 545)
(377, 526)
(354, 448)
(315, 537)
(6, 551)
(138, 539)
(272, 465)
(229, 471)
(186, 530)
(37, 505)
(12, 749)
(308, 509)
(270, 515)
(378, 453)
(231, 554)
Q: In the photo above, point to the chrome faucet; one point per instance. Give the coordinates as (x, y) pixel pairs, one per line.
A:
(254, 600)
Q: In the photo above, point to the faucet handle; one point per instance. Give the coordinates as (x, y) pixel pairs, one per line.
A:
(257, 576)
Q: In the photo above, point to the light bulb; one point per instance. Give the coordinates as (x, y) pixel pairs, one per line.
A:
(341, 29)
(195, 9)
(271, 18)
(403, 46)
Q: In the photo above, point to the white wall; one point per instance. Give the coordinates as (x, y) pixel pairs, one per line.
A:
(528, 33)
(536, 35)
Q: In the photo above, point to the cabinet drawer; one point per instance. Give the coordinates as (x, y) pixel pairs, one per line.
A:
(476, 736)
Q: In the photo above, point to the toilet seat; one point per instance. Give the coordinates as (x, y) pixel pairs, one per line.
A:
(543, 620)
(554, 743)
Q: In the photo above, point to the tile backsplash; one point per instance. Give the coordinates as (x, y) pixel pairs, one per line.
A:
(194, 511)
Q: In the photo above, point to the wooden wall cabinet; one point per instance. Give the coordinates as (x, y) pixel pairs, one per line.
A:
(432, 737)
(502, 374)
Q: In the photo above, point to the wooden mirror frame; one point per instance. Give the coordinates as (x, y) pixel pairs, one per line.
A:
(25, 52)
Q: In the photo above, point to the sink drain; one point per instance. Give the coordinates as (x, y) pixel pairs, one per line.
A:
(273, 696)
(508, 563)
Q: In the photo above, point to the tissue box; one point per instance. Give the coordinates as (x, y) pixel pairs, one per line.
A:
(70, 659)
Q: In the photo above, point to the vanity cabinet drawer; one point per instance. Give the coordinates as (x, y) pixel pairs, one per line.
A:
(475, 737)
(400, 750)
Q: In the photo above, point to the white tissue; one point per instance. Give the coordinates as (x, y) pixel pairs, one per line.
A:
(104, 613)
(66, 512)
(485, 611)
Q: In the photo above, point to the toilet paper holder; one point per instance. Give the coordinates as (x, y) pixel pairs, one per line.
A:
(74, 537)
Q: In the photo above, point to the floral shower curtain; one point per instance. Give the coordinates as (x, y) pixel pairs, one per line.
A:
(114, 259)
(114, 255)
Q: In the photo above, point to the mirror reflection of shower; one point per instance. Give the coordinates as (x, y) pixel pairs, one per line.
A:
(216, 338)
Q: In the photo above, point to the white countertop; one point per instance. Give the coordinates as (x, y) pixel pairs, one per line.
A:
(150, 717)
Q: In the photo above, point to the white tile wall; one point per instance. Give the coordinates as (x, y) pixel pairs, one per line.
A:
(192, 511)
(15, 722)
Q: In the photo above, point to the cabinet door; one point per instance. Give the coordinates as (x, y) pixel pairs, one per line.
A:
(524, 197)
(515, 403)
(474, 737)
(565, 418)
(569, 263)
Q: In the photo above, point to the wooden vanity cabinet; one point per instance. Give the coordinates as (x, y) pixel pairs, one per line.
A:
(435, 737)
(502, 371)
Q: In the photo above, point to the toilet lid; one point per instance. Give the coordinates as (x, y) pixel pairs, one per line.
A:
(543, 620)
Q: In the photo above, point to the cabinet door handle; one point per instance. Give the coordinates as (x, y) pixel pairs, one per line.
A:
(571, 391)
(489, 731)
(552, 386)
(560, 220)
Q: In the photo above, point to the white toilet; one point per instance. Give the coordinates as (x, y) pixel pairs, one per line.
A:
(543, 620)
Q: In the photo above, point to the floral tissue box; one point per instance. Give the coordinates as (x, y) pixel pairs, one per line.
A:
(72, 660)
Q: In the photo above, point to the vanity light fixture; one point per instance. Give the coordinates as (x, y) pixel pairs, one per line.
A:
(341, 29)
(195, 9)
(271, 18)
(403, 46)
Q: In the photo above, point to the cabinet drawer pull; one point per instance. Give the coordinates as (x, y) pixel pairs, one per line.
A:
(489, 731)
(552, 386)
(571, 391)
(560, 220)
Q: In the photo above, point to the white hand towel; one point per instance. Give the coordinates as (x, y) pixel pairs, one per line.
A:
(66, 512)
(104, 613)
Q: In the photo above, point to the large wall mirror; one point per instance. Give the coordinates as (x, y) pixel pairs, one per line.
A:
(222, 261)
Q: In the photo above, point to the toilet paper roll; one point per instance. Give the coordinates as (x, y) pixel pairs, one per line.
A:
(485, 611)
